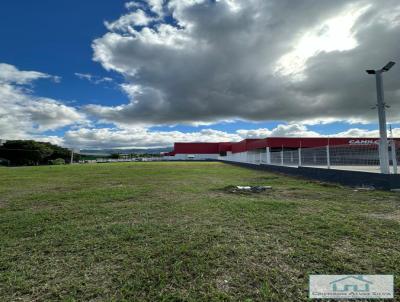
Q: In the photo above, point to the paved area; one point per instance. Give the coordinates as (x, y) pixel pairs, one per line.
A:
(371, 169)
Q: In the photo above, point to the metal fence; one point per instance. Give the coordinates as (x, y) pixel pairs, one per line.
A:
(356, 158)
(342, 157)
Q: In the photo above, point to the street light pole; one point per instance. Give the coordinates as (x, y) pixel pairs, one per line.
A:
(383, 141)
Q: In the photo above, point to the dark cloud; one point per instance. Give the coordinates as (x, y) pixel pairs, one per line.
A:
(220, 62)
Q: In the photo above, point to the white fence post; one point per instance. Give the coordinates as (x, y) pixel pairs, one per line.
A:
(299, 156)
(282, 156)
(328, 157)
(268, 156)
(394, 159)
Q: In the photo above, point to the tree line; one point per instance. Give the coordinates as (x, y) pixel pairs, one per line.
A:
(30, 152)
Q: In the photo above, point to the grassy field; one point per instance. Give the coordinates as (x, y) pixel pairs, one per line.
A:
(170, 232)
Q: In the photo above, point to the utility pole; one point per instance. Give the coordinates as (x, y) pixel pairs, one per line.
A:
(383, 141)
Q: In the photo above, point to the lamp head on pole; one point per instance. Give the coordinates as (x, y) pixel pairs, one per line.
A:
(388, 66)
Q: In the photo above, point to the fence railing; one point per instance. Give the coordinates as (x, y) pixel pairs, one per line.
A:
(346, 157)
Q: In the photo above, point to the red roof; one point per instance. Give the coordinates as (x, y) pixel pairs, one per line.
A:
(307, 142)
(196, 148)
(243, 145)
(225, 147)
(272, 142)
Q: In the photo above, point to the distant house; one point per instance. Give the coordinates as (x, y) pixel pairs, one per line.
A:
(351, 284)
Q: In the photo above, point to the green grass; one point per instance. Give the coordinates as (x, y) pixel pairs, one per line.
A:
(169, 232)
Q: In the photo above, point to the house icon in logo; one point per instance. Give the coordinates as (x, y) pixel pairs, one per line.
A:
(352, 283)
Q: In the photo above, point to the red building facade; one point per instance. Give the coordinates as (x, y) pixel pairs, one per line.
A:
(272, 142)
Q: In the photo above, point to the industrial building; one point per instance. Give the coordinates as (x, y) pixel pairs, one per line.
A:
(270, 150)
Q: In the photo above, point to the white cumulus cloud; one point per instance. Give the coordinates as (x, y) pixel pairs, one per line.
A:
(24, 115)
(9, 74)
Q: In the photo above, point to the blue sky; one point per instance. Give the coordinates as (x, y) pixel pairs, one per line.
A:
(220, 91)
(55, 37)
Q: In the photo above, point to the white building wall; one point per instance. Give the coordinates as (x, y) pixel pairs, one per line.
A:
(192, 157)
(243, 157)
(256, 157)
